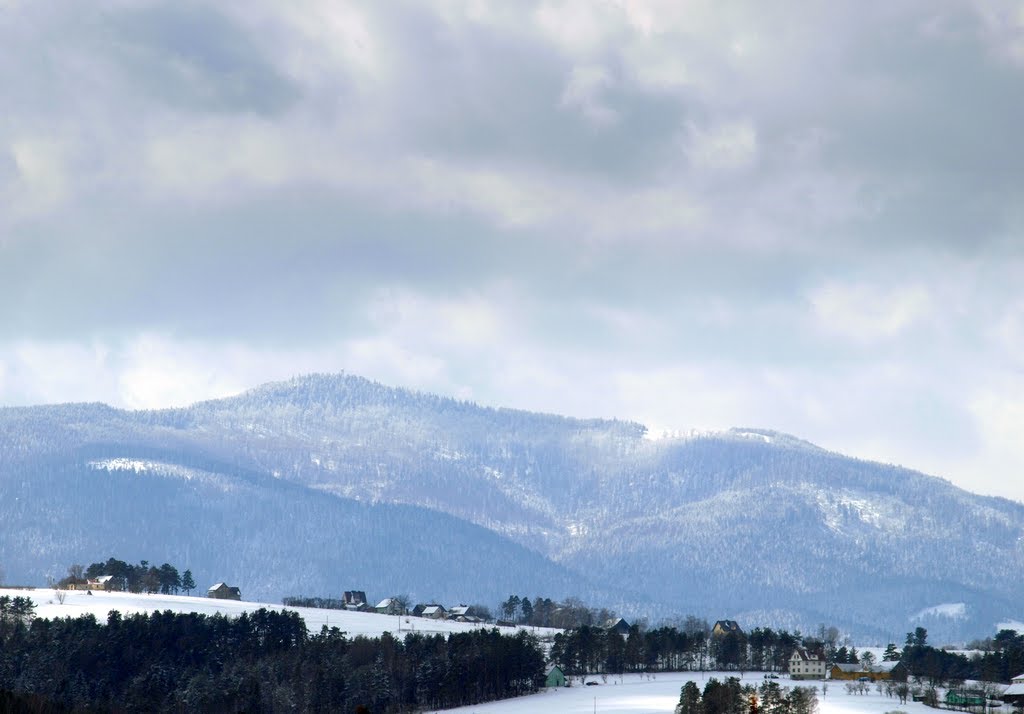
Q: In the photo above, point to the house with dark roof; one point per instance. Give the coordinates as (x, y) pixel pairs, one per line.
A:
(354, 600)
(223, 591)
(617, 625)
(724, 627)
(807, 664)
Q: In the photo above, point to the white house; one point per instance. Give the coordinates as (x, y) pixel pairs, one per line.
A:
(804, 664)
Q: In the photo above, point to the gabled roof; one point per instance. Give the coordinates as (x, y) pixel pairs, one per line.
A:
(727, 626)
(1018, 678)
(551, 668)
(884, 666)
(807, 656)
(460, 610)
(848, 667)
(385, 603)
(217, 586)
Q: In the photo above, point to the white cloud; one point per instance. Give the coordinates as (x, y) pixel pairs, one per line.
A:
(867, 312)
(42, 172)
(727, 146)
(583, 92)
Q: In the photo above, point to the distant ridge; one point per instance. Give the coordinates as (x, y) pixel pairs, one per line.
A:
(327, 482)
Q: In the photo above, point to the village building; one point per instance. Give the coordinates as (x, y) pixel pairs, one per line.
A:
(965, 698)
(807, 664)
(724, 627)
(617, 625)
(223, 591)
(554, 677)
(1014, 694)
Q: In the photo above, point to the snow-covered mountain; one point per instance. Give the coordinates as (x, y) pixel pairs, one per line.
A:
(330, 482)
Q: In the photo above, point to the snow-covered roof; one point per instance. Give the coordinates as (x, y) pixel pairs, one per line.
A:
(1016, 689)
(460, 610)
(386, 602)
(103, 579)
(217, 586)
(432, 610)
(884, 665)
(843, 667)
(1018, 679)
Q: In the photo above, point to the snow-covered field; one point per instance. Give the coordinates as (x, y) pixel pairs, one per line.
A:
(658, 694)
(77, 602)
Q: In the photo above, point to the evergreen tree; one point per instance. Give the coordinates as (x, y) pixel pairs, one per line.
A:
(188, 583)
(689, 700)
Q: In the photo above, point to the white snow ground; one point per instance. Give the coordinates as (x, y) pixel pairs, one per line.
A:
(639, 694)
(77, 602)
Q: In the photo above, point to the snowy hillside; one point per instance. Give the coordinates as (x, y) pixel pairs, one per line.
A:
(99, 604)
(328, 482)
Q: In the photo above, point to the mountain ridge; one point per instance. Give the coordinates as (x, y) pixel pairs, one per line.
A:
(653, 526)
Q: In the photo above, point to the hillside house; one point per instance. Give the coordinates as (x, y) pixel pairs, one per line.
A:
(354, 600)
(464, 613)
(388, 606)
(103, 582)
(724, 627)
(223, 591)
(432, 610)
(617, 625)
(554, 677)
(1014, 694)
(807, 664)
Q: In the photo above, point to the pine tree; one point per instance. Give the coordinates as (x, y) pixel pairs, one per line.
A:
(188, 584)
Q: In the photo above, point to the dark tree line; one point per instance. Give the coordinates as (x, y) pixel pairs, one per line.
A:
(1002, 658)
(689, 647)
(258, 662)
(592, 649)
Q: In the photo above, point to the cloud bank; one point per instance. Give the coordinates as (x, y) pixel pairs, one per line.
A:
(692, 214)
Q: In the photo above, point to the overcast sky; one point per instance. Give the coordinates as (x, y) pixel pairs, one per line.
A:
(800, 216)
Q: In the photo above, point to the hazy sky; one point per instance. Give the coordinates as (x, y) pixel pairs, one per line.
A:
(800, 216)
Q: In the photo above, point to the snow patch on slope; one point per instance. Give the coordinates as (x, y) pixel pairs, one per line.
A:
(948, 610)
(1011, 625)
(147, 467)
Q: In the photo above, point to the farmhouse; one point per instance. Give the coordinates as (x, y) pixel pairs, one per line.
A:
(222, 591)
(1014, 694)
(724, 627)
(874, 672)
(805, 664)
(354, 600)
(617, 625)
(433, 611)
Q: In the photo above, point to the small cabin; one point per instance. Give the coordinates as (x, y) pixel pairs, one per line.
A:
(223, 591)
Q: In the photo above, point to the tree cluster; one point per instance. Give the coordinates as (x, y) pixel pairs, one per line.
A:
(263, 661)
(731, 697)
(545, 612)
(132, 578)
